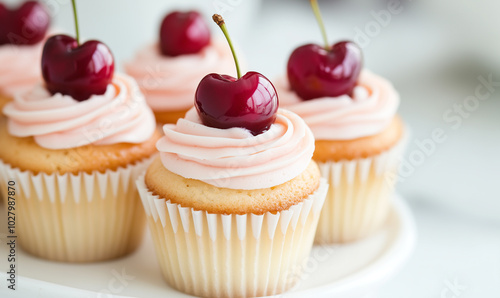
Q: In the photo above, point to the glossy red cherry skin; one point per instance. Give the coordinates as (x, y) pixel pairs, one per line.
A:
(78, 71)
(315, 72)
(26, 25)
(250, 102)
(183, 33)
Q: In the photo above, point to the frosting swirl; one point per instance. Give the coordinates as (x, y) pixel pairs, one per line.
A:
(234, 158)
(120, 115)
(19, 67)
(369, 111)
(170, 82)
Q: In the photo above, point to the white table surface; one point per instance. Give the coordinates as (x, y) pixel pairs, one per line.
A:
(454, 193)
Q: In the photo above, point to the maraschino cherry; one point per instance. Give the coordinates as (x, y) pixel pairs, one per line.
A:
(183, 33)
(329, 71)
(249, 101)
(26, 25)
(78, 70)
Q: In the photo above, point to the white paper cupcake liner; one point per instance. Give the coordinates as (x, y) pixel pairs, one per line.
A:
(77, 217)
(217, 255)
(359, 197)
(4, 99)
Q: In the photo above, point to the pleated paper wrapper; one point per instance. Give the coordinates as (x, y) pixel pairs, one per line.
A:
(215, 255)
(77, 218)
(4, 99)
(359, 196)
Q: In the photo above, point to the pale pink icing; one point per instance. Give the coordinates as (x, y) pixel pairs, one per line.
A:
(19, 67)
(369, 111)
(234, 158)
(57, 121)
(169, 83)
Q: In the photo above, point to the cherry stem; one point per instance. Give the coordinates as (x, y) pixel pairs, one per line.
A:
(220, 22)
(76, 23)
(317, 13)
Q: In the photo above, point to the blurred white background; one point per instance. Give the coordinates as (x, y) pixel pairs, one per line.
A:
(433, 52)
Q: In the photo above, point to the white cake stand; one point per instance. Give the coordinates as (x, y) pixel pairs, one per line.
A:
(353, 270)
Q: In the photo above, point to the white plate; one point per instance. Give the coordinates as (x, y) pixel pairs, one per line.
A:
(353, 270)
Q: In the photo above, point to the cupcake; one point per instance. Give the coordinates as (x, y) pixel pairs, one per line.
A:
(169, 70)
(22, 31)
(232, 214)
(359, 140)
(359, 136)
(77, 143)
(233, 200)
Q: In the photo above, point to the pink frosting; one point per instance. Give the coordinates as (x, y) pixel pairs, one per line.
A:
(234, 158)
(369, 111)
(19, 67)
(169, 83)
(57, 121)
